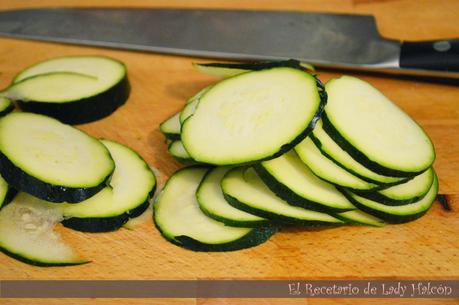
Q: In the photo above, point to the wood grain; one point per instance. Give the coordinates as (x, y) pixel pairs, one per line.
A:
(426, 248)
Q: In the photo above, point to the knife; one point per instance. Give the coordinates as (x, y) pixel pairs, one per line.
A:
(326, 40)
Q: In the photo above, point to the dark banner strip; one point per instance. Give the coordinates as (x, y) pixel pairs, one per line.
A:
(229, 289)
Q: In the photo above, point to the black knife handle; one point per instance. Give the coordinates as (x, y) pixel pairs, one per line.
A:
(438, 55)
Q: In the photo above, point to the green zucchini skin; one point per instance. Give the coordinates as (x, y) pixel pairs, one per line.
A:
(232, 223)
(349, 220)
(226, 220)
(288, 195)
(40, 264)
(105, 224)
(390, 218)
(108, 224)
(359, 156)
(172, 135)
(256, 66)
(381, 185)
(20, 180)
(7, 109)
(275, 217)
(182, 159)
(84, 110)
(256, 237)
(376, 196)
(10, 194)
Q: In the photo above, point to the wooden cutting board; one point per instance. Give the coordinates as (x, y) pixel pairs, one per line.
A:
(426, 248)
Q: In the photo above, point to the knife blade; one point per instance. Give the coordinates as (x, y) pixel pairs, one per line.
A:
(323, 39)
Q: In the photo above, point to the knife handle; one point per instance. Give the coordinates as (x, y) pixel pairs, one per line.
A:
(437, 55)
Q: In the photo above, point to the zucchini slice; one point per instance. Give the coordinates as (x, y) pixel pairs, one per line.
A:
(334, 152)
(26, 233)
(396, 214)
(232, 69)
(171, 127)
(179, 219)
(253, 116)
(244, 190)
(290, 179)
(178, 151)
(7, 193)
(408, 192)
(6, 106)
(191, 105)
(53, 88)
(213, 204)
(50, 160)
(327, 170)
(360, 218)
(131, 187)
(374, 131)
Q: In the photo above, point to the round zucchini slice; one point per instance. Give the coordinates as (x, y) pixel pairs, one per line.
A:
(396, 214)
(191, 105)
(171, 127)
(26, 233)
(374, 131)
(131, 187)
(405, 193)
(180, 220)
(213, 203)
(290, 179)
(244, 190)
(50, 160)
(253, 116)
(327, 170)
(334, 152)
(7, 193)
(74, 89)
(360, 218)
(6, 106)
(178, 151)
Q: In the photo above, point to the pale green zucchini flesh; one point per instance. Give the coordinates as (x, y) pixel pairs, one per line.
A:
(191, 105)
(6, 106)
(51, 160)
(290, 179)
(374, 130)
(244, 189)
(404, 193)
(73, 89)
(213, 204)
(26, 233)
(171, 127)
(180, 220)
(131, 187)
(327, 170)
(396, 214)
(253, 116)
(334, 152)
(360, 218)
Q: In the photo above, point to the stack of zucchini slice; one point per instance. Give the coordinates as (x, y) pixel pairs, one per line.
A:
(63, 175)
(272, 146)
(54, 173)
